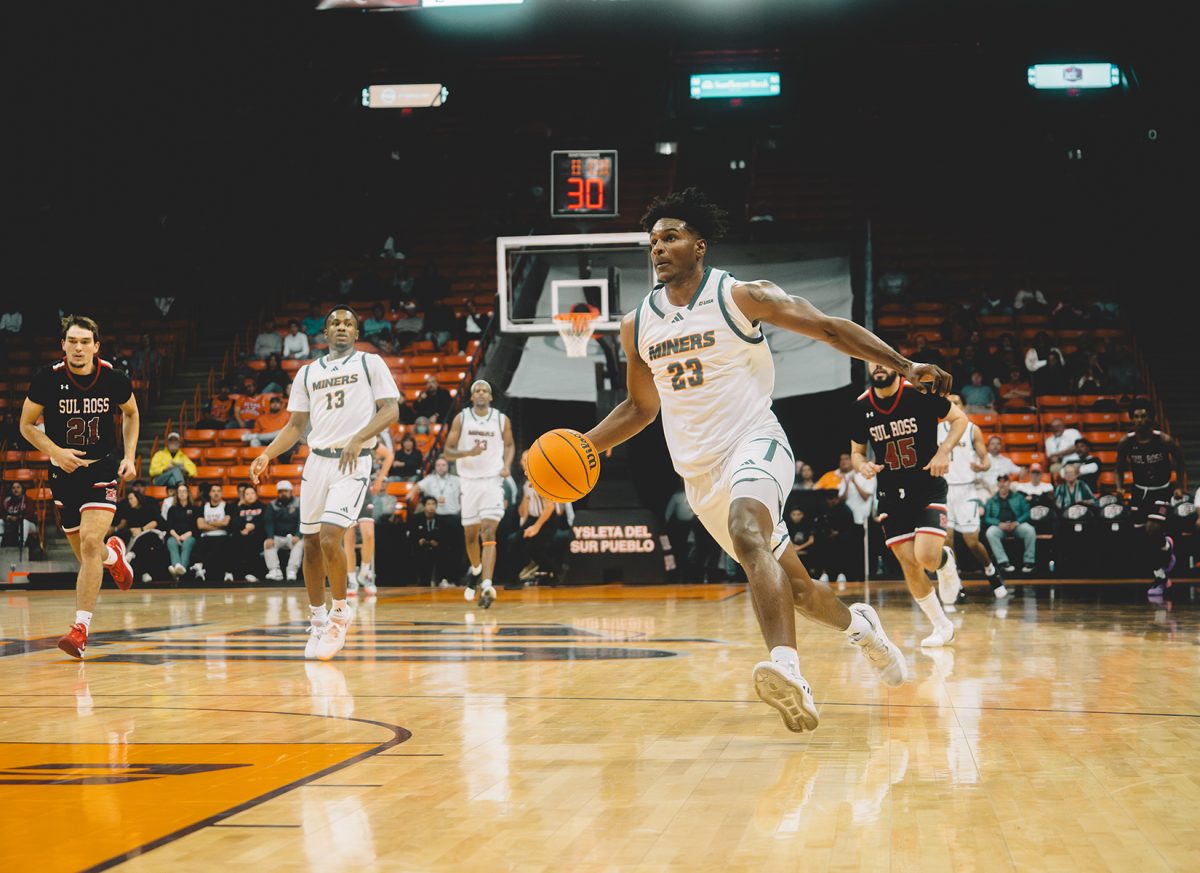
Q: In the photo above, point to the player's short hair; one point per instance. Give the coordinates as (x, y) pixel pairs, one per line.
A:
(1140, 403)
(693, 208)
(81, 321)
(341, 308)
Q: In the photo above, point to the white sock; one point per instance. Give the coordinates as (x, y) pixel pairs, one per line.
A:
(932, 607)
(787, 658)
(476, 569)
(111, 557)
(990, 569)
(318, 614)
(487, 583)
(83, 617)
(859, 628)
(340, 605)
(352, 578)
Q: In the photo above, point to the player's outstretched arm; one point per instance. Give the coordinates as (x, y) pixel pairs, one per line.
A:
(766, 301)
(284, 440)
(641, 403)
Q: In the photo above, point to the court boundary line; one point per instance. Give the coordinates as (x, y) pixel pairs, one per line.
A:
(399, 735)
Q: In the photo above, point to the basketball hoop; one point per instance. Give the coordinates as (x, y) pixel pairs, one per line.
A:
(575, 328)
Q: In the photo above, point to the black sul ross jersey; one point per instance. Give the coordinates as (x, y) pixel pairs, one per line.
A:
(79, 410)
(903, 432)
(1150, 462)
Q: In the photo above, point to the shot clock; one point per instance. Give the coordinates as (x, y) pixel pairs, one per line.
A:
(583, 183)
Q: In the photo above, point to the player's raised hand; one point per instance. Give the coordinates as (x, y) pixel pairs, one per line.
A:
(258, 466)
(868, 470)
(126, 470)
(930, 379)
(938, 464)
(68, 460)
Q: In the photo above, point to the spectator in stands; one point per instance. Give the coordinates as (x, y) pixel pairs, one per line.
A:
(138, 486)
(969, 361)
(295, 344)
(390, 248)
(805, 477)
(268, 343)
(800, 532)
(220, 410)
(1123, 375)
(927, 354)
(314, 325)
(170, 466)
(18, 526)
(133, 516)
(247, 534)
(992, 302)
(1093, 378)
(835, 479)
(281, 526)
(1053, 378)
(1016, 393)
(1007, 514)
(1089, 465)
(1071, 490)
(181, 530)
(1000, 465)
(146, 359)
(434, 401)
(440, 326)
(213, 523)
(1037, 490)
(249, 405)
(408, 327)
(408, 415)
(473, 324)
(268, 425)
(378, 330)
(893, 285)
(422, 426)
(835, 539)
(978, 396)
(430, 538)
(272, 379)
(445, 486)
(1038, 354)
(1029, 298)
(408, 465)
(1060, 443)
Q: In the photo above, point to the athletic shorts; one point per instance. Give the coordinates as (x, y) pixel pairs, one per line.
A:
(962, 508)
(482, 499)
(1151, 503)
(90, 487)
(907, 513)
(330, 496)
(367, 513)
(760, 467)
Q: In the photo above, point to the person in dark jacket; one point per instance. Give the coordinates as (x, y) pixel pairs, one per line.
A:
(430, 537)
(181, 530)
(408, 465)
(281, 526)
(247, 533)
(1007, 513)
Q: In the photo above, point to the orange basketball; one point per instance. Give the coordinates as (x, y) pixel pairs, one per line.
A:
(563, 465)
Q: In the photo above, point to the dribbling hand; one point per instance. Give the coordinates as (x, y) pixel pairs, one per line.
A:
(868, 470)
(258, 466)
(930, 379)
(68, 460)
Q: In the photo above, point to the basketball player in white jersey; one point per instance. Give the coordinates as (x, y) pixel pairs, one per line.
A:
(480, 442)
(364, 571)
(968, 458)
(349, 397)
(696, 350)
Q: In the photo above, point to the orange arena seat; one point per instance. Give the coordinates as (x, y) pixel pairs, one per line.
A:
(221, 455)
(158, 492)
(1018, 420)
(1018, 439)
(985, 420)
(13, 456)
(21, 474)
(1110, 419)
(229, 492)
(1104, 437)
(195, 453)
(233, 436)
(241, 473)
(1026, 458)
(200, 437)
(286, 471)
(1056, 401)
(37, 459)
(207, 473)
(267, 491)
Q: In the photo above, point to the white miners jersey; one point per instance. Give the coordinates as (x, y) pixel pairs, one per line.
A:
(712, 368)
(487, 432)
(961, 456)
(340, 396)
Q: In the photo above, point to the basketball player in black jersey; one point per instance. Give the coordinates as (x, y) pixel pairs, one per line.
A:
(1150, 455)
(78, 398)
(901, 425)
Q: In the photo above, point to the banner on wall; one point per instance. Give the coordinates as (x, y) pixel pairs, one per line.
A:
(615, 545)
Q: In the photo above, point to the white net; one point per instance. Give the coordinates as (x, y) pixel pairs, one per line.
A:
(575, 328)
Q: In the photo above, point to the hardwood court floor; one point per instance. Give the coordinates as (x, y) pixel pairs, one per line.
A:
(606, 729)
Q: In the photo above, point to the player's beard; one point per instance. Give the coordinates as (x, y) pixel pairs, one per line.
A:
(885, 382)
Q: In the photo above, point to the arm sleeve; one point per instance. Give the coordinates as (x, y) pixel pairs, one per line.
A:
(383, 384)
(298, 400)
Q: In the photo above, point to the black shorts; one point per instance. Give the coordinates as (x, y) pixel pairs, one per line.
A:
(907, 513)
(1151, 503)
(90, 487)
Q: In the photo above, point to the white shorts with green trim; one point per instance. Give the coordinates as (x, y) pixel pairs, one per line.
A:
(962, 508)
(331, 496)
(482, 499)
(761, 467)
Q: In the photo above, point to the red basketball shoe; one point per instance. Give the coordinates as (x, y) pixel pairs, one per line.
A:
(75, 641)
(120, 570)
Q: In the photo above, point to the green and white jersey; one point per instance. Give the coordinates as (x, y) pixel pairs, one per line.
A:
(713, 370)
(487, 432)
(339, 396)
